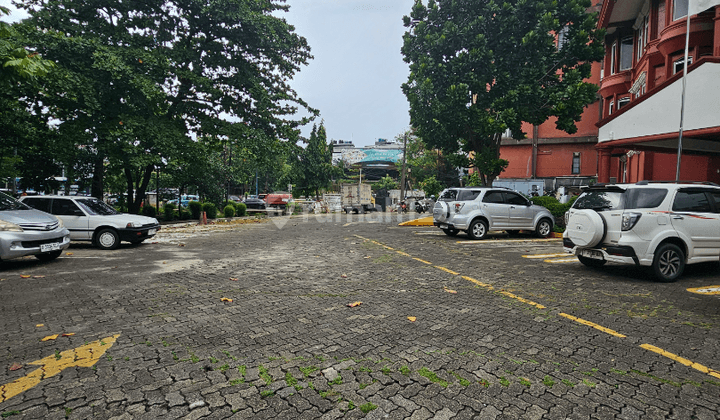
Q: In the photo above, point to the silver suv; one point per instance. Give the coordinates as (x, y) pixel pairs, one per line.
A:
(477, 210)
(660, 225)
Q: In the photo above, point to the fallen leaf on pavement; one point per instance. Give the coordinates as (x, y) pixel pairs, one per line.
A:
(344, 276)
(38, 277)
(226, 300)
(40, 325)
(68, 334)
(24, 276)
(50, 337)
(450, 290)
(233, 279)
(412, 318)
(354, 304)
(367, 257)
(68, 253)
(15, 366)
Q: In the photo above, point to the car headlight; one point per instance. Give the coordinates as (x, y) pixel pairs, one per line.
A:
(9, 227)
(133, 225)
(60, 223)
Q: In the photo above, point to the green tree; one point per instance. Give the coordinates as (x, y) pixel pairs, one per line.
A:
(141, 80)
(424, 162)
(385, 183)
(315, 164)
(480, 67)
(431, 186)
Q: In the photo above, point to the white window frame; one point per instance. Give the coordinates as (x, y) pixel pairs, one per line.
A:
(613, 53)
(680, 62)
(576, 158)
(630, 44)
(610, 107)
(621, 102)
(646, 25)
(639, 44)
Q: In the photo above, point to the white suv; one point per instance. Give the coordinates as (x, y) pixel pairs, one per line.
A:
(662, 225)
(477, 210)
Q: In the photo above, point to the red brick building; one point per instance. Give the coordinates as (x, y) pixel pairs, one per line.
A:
(631, 133)
(641, 91)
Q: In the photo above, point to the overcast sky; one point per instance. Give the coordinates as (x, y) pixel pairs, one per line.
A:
(355, 77)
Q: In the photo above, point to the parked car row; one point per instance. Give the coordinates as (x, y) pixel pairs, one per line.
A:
(43, 226)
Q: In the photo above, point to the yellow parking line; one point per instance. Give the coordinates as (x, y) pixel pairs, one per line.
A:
(446, 270)
(594, 325)
(562, 260)
(544, 255)
(681, 360)
(479, 283)
(404, 254)
(529, 302)
(422, 261)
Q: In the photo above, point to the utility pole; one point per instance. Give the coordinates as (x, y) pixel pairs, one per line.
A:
(402, 178)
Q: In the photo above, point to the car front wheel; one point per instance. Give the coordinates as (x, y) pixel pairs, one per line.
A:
(669, 263)
(478, 230)
(107, 239)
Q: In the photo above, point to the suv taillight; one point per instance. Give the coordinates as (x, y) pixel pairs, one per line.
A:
(458, 207)
(629, 220)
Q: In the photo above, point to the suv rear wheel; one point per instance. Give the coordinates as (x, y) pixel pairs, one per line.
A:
(450, 232)
(669, 262)
(591, 262)
(478, 230)
(543, 228)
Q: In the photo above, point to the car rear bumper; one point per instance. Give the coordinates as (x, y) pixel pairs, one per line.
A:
(446, 225)
(21, 244)
(615, 253)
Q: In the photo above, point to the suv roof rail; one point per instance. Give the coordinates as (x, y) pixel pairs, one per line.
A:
(646, 182)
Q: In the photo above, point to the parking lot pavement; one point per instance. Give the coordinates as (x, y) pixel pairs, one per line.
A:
(257, 321)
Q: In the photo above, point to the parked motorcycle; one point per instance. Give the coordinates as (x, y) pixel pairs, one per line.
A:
(424, 205)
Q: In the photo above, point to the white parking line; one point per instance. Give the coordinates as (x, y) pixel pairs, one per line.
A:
(493, 241)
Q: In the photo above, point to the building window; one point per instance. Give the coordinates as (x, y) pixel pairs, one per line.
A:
(610, 107)
(626, 50)
(639, 51)
(646, 25)
(576, 163)
(680, 9)
(613, 52)
(679, 65)
(622, 102)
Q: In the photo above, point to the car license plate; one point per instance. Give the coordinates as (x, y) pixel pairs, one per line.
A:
(443, 226)
(589, 253)
(49, 247)
(152, 232)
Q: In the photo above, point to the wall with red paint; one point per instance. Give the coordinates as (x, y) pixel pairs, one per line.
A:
(553, 160)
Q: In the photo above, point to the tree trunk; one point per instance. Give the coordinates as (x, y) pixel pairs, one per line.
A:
(96, 189)
(138, 187)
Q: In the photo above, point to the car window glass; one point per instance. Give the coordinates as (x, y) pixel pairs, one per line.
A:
(448, 195)
(9, 203)
(645, 198)
(599, 200)
(512, 198)
(716, 197)
(493, 197)
(691, 201)
(39, 203)
(467, 195)
(62, 207)
(96, 207)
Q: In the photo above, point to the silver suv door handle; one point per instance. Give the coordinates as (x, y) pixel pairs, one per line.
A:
(678, 217)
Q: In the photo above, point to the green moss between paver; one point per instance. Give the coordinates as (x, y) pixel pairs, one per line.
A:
(263, 373)
(367, 407)
(432, 377)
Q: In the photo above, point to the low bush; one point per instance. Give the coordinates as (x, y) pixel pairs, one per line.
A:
(185, 214)
(229, 210)
(169, 211)
(555, 207)
(195, 209)
(240, 209)
(149, 211)
(210, 210)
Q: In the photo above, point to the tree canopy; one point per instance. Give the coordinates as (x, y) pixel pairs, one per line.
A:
(481, 67)
(139, 84)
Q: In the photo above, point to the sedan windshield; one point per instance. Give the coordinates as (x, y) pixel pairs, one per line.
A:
(9, 203)
(96, 207)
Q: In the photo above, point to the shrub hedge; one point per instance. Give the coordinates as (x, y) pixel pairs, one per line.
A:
(210, 210)
(240, 209)
(229, 210)
(195, 209)
(169, 211)
(149, 211)
(555, 207)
